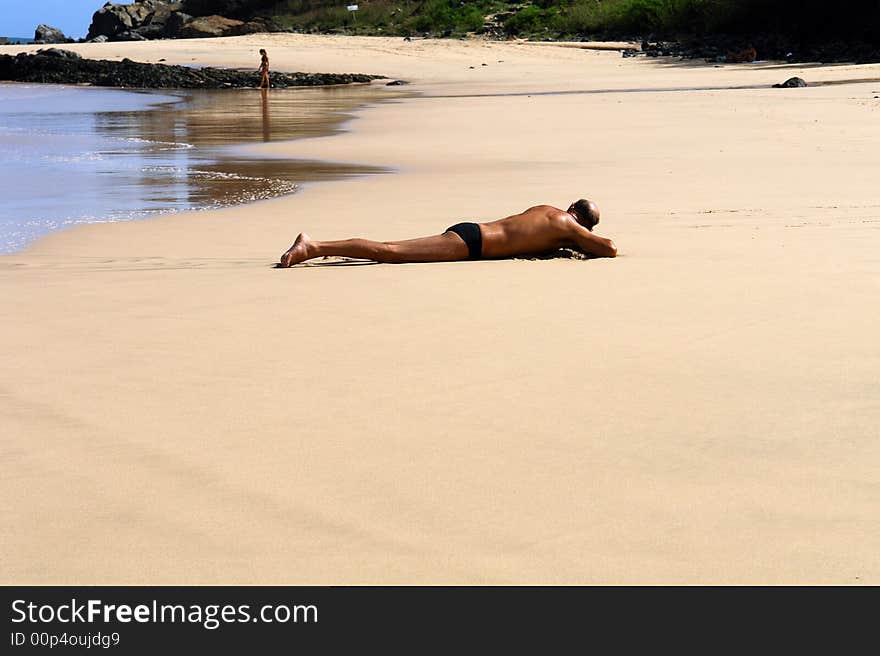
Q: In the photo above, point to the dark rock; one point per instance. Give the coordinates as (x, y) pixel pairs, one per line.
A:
(101, 38)
(109, 20)
(151, 31)
(59, 53)
(129, 35)
(56, 69)
(662, 49)
(46, 34)
(397, 83)
(791, 83)
(175, 21)
(629, 52)
(259, 25)
(208, 26)
(113, 19)
(162, 13)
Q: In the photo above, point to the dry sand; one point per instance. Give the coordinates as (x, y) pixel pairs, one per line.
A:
(703, 409)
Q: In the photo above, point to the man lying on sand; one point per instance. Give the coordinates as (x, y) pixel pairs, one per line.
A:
(539, 229)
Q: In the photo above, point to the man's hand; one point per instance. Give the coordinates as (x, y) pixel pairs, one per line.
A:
(590, 243)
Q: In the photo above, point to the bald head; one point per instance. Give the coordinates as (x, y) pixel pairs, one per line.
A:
(587, 212)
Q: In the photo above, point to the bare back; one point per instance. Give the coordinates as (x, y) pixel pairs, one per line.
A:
(539, 229)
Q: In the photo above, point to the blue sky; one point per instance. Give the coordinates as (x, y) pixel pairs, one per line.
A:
(20, 17)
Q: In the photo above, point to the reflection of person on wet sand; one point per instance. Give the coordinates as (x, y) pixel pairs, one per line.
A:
(539, 229)
(264, 69)
(264, 98)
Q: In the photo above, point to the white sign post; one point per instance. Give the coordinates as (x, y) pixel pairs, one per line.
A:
(353, 9)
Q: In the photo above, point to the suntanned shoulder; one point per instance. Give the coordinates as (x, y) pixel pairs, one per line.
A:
(549, 209)
(558, 217)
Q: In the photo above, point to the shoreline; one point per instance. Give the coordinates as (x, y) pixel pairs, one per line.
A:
(332, 110)
(698, 410)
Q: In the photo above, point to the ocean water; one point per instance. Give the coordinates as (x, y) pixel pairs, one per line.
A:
(71, 155)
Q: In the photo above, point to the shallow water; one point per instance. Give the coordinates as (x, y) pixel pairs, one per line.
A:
(72, 155)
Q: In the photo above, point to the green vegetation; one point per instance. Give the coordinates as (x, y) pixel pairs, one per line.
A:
(807, 18)
(383, 16)
(556, 19)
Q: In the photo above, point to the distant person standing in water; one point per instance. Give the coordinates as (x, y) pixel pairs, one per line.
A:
(264, 69)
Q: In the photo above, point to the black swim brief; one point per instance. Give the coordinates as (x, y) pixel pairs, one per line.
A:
(472, 237)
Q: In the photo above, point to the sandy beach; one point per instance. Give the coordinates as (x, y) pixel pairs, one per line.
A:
(701, 409)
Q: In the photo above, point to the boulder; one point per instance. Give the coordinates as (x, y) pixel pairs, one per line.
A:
(109, 20)
(58, 52)
(208, 26)
(150, 31)
(175, 21)
(101, 38)
(114, 19)
(129, 35)
(791, 83)
(47, 34)
(260, 25)
(141, 12)
(162, 13)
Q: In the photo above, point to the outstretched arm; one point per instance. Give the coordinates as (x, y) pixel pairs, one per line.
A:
(592, 244)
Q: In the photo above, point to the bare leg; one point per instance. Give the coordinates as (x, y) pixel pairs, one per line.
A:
(447, 247)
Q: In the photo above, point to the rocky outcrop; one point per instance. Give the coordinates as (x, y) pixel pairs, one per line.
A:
(164, 19)
(130, 35)
(47, 34)
(175, 22)
(260, 25)
(148, 18)
(207, 26)
(59, 53)
(58, 68)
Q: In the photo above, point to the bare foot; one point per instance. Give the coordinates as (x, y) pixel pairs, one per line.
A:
(303, 249)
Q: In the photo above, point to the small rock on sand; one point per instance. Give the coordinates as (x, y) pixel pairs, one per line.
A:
(791, 83)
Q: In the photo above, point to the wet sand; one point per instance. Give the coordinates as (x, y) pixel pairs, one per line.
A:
(111, 155)
(702, 409)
